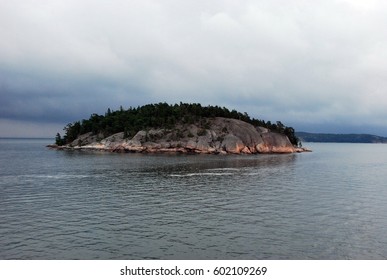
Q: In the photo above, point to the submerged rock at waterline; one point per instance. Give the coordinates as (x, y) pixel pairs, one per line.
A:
(218, 136)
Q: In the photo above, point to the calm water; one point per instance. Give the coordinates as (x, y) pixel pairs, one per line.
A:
(329, 204)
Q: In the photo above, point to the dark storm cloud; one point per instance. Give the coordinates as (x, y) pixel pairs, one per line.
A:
(302, 62)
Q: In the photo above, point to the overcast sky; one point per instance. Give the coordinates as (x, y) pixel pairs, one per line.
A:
(319, 66)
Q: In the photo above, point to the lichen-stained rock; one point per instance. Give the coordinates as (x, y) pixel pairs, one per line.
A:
(233, 144)
(275, 143)
(85, 139)
(246, 150)
(246, 132)
(133, 145)
(113, 141)
(203, 144)
(140, 136)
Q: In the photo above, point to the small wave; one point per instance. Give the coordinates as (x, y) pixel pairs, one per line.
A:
(253, 174)
(224, 169)
(55, 177)
(202, 174)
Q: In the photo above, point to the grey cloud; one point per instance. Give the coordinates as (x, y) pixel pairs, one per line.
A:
(301, 62)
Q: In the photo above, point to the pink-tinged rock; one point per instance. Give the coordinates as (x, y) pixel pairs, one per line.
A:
(233, 144)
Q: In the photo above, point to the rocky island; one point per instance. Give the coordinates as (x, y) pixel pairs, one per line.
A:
(184, 128)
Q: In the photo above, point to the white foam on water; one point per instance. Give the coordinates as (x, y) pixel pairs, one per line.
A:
(202, 174)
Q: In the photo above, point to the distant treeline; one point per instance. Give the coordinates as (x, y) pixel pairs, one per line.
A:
(340, 138)
(161, 115)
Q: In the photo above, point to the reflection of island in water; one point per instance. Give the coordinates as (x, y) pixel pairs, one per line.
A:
(229, 166)
(184, 172)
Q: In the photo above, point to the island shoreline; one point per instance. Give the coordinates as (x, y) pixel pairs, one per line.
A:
(219, 136)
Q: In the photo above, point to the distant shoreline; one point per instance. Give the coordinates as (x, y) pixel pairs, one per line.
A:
(27, 138)
(340, 138)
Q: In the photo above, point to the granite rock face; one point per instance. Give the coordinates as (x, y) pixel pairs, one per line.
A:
(212, 136)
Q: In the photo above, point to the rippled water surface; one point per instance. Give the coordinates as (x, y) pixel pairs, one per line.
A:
(329, 204)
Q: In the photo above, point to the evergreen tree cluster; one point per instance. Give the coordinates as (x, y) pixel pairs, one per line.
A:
(160, 115)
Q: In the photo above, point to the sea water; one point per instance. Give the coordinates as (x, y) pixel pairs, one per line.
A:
(328, 204)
